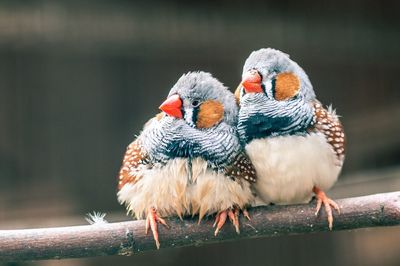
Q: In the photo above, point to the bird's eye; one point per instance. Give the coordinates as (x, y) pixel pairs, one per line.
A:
(195, 103)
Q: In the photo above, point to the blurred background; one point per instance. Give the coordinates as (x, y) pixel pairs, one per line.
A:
(78, 79)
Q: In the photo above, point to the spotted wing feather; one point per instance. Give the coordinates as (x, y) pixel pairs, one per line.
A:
(242, 169)
(327, 122)
(134, 160)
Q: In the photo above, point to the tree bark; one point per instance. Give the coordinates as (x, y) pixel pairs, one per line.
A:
(127, 238)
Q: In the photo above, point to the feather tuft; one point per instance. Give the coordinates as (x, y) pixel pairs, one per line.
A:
(96, 218)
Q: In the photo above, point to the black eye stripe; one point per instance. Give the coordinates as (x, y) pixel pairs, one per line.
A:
(273, 81)
(194, 115)
(193, 108)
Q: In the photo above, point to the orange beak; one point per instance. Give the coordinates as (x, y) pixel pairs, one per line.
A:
(172, 106)
(252, 82)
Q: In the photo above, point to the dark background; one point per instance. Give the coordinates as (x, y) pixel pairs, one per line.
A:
(79, 78)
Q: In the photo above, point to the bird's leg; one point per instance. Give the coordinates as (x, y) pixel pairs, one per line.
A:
(151, 222)
(323, 198)
(233, 214)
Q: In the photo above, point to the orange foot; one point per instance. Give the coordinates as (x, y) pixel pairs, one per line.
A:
(323, 198)
(151, 222)
(233, 214)
(246, 214)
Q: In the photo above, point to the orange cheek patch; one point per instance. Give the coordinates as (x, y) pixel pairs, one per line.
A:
(210, 113)
(287, 85)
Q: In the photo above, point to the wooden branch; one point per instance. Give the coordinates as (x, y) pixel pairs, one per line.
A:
(127, 238)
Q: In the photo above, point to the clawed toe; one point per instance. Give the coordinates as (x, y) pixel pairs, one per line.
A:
(220, 221)
(323, 199)
(246, 214)
(151, 222)
(234, 218)
(233, 214)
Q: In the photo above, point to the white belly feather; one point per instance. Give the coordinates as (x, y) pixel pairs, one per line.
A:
(169, 189)
(289, 166)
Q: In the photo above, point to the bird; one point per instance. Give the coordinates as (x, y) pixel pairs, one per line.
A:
(188, 159)
(296, 145)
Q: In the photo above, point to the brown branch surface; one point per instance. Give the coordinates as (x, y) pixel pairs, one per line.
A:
(127, 238)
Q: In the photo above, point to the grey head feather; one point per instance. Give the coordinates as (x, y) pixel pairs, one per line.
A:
(203, 86)
(176, 138)
(269, 62)
(261, 115)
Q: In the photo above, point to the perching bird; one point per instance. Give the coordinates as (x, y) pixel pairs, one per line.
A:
(188, 159)
(296, 145)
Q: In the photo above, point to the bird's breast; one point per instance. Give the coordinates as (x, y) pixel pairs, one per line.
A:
(182, 187)
(289, 166)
